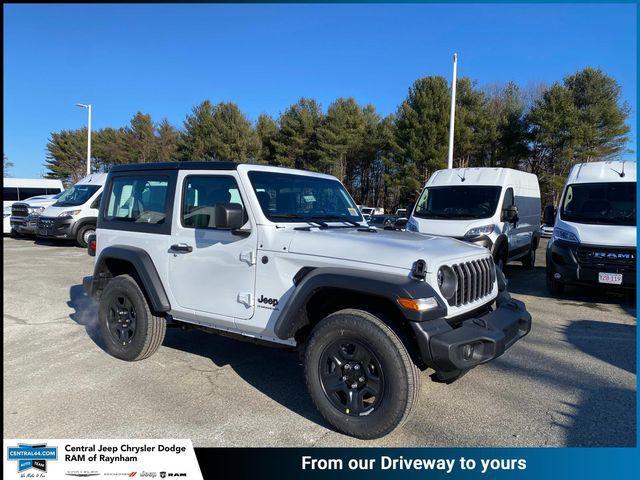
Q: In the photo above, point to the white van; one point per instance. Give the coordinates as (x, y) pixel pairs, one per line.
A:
(498, 208)
(19, 189)
(594, 228)
(75, 212)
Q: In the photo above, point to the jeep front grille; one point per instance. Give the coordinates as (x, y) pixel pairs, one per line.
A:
(475, 281)
(19, 210)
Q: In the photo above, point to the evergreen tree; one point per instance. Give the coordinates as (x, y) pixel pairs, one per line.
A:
(66, 155)
(267, 130)
(296, 143)
(422, 124)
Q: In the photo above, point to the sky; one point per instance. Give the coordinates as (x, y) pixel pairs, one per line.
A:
(165, 59)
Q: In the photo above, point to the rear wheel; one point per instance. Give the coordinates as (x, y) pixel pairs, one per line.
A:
(129, 329)
(84, 232)
(360, 375)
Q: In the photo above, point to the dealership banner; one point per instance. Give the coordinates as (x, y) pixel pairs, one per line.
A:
(101, 458)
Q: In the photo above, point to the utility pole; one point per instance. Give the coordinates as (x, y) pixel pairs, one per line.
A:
(453, 110)
(88, 107)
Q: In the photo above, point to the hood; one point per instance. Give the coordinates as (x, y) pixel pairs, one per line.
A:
(605, 235)
(42, 202)
(52, 211)
(382, 247)
(448, 228)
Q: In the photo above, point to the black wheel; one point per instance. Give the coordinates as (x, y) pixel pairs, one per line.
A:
(129, 329)
(529, 260)
(554, 287)
(360, 375)
(82, 237)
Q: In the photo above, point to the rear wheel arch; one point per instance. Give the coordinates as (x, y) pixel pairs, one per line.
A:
(136, 262)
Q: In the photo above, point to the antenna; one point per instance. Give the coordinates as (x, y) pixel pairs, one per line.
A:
(579, 168)
(622, 172)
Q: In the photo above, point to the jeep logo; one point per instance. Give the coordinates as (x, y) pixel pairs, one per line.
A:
(268, 301)
(613, 256)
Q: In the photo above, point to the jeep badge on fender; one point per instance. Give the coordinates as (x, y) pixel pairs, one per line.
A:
(174, 239)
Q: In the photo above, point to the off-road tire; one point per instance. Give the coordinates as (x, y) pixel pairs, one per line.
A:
(80, 235)
(401, 385)
(149, 330)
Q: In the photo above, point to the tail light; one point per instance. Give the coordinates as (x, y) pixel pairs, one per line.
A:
(91, 246)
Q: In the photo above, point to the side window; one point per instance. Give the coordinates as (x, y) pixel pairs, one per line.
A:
(28, 192)
(138, 199)
(96, 202)
(53, 191)
(10, 194)
(200, 195)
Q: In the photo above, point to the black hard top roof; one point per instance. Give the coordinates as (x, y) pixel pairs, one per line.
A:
(131, 167)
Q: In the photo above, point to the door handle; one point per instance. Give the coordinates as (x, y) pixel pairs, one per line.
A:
(182, 248)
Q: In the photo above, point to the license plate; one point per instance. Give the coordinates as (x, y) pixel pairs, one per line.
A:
(611, 278)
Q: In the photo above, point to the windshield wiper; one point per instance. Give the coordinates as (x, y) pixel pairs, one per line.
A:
(335, 217)
(295, 216)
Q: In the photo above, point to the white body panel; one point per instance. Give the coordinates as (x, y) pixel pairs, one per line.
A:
(204, 286)
(526, 198)
(604, 235)
(17, 183)
(85, 210)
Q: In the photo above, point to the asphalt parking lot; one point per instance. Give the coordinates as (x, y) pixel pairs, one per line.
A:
(571, 382)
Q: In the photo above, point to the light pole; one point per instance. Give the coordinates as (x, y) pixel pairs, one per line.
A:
(453, 110)
(88, 107)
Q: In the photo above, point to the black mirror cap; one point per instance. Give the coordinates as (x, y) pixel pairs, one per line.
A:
(228, 216)
(511, 213)
(549, 215)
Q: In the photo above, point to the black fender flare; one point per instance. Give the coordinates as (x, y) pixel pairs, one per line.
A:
(382, 285)
(145, 270)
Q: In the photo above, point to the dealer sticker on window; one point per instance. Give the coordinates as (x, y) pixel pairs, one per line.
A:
(611, 278)
(352, 211)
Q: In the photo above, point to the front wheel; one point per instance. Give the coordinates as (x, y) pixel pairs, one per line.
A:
(84, 232)
(360, 375)
(129, 329)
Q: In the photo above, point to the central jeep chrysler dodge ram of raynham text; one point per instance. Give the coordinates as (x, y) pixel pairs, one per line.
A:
(284, 256)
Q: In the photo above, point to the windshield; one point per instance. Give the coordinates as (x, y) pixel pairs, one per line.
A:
(459, 202)
(287, 197)
(76, 195)
(600, 203)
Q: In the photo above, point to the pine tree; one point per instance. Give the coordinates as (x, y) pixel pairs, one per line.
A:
(296, 143)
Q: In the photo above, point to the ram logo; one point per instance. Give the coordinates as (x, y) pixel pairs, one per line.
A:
(613, 256)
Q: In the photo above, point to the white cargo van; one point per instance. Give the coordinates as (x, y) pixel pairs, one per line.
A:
(498, 208)
(19, 189)
(594, 228)
(75, 212)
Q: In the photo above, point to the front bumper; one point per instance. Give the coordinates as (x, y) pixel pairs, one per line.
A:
(576, 264)
(55, 227)
(453, 349)
(25, 225)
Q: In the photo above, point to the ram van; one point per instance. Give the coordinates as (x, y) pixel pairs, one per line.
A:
(498, 208)
(594, 228)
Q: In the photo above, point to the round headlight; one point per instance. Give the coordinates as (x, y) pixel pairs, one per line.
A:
(447, 282)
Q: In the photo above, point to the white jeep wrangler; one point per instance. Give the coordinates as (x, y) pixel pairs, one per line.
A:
(283, 256)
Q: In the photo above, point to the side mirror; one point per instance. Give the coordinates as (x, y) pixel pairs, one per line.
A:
(511, 214)
(549, 215)
(228, 216)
